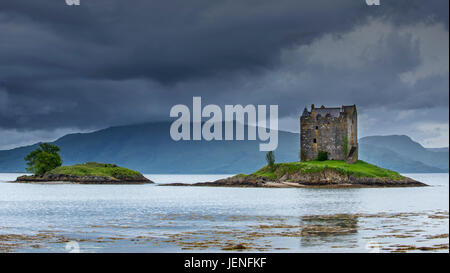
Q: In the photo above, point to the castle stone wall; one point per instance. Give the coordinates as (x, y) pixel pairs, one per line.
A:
(324, 129)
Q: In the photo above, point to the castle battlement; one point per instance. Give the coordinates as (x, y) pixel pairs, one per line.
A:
(333, 130)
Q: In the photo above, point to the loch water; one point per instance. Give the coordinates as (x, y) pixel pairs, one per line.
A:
(152, 218)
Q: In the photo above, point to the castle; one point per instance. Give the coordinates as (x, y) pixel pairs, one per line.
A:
(333, 130)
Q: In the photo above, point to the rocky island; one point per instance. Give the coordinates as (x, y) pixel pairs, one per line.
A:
(328, 174)
(88, 173)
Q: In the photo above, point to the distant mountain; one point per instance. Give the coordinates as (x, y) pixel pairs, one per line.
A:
(389, 159)
(406, 148)
(440, 150)
(148, 148)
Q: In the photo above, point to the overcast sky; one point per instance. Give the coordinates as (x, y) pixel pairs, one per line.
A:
(67, 69)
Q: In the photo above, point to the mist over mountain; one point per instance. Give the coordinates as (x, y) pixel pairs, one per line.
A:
(149, 148)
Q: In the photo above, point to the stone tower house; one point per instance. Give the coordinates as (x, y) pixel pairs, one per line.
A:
(327, 129)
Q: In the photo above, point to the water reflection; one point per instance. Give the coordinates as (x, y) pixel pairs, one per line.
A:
(148, 218)
(319, 229)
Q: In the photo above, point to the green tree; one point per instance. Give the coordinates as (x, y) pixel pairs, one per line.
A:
(322, 156)
(270, 158)
(345, 146)
(43, 159)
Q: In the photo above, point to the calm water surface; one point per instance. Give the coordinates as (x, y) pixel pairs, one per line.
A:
(151, 218)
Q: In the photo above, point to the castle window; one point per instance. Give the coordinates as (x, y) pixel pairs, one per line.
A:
(315, 141)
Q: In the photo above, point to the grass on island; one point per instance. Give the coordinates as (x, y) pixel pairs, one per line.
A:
(96, 169)
(358, 169)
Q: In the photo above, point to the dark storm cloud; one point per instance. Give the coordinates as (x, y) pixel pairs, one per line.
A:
(170, 40)
(118, 62)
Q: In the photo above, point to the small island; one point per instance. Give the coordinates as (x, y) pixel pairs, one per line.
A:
(46, 165)
(88, 173)
(328, 158)
(327, 174)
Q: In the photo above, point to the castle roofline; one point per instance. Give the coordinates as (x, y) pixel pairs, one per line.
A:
(305, 112)
(331, 111)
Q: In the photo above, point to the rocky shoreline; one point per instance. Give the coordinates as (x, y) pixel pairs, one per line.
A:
(64, 178)
(323, 179)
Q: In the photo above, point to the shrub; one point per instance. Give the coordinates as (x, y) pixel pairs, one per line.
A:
(270, 158)
(322, 156)
(345, 146)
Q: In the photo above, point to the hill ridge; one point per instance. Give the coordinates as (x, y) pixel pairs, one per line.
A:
(148, 148)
